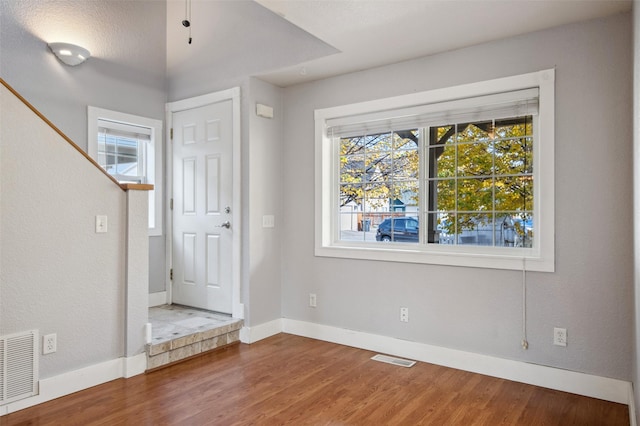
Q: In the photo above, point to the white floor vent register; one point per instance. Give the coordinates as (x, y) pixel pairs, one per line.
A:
(18, 366)
(393, 360)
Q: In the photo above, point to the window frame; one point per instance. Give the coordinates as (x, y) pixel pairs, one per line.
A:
(539, 258)
(153, 157)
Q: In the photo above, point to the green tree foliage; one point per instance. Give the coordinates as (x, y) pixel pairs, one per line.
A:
(477, 172)
(378, 168)
(481, 169)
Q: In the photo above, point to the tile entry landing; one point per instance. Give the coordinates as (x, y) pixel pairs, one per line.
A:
(179, 332)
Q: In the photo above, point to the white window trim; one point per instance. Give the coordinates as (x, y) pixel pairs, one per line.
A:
(154, 174)
(541, 258)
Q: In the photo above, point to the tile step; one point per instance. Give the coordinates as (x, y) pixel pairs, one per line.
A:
(183, 347)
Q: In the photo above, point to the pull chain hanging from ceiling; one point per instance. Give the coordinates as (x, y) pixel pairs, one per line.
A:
(187, 17)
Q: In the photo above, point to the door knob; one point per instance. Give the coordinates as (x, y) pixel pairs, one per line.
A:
(225, 225)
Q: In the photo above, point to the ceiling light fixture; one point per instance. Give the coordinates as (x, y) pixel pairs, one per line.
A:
(70, 54)
(186, 22)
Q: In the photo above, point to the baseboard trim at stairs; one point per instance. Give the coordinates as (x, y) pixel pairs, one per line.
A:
(157, 299)
(633, 420)
(261, 331)
(77, 380)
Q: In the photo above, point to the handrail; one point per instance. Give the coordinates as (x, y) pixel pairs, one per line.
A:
(123, 186)
(137, 186)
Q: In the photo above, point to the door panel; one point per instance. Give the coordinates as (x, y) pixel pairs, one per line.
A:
(202, 173)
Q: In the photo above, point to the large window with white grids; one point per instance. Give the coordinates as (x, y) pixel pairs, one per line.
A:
(457, 176)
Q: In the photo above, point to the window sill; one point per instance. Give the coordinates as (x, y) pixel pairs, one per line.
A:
(495, 258)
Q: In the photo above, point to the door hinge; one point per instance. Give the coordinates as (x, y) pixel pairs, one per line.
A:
(171, 204)
(171, 274)
(171, 133)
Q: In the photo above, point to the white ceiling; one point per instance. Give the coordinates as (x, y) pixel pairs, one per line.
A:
(290, 41)
(370, 33)
(233, 39)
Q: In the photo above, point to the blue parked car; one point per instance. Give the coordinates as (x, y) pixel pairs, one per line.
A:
(399, 229)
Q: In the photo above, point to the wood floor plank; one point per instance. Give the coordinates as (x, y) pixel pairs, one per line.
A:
(291, 380)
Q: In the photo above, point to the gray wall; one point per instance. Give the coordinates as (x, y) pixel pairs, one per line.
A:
(74, 287)
(479, 310)
(261, 153)
(265, 198)
(261, 138)
(636, 197)
(473, 310)
(127, 70)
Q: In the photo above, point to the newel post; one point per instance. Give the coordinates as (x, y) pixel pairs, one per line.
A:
(136, 277)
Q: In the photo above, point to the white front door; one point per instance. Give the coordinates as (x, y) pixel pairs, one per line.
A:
(202, 207)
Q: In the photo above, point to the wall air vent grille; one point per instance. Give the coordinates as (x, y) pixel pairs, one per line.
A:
(395, 361)
(18, 366)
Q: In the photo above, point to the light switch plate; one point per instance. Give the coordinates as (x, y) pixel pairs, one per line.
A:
(101, 224)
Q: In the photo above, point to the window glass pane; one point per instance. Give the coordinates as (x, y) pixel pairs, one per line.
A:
(514, 193)
(475, 229)
(382, 142)
(474, 132)
(406, 139)
(126, 156)
(121, 156)
(442, 228)
(349, 228)
(379, 189)
(349, 146)
(442, 135)
(442, 161)
(399, 228)
(351, 195)
(475, 195)
(514, 230)
(351, 168)
(378, 166)
(513, 156)
(475, 159)
(405, 196)
(442, 195)
(514, 127)
(477, 172)
(405, 165)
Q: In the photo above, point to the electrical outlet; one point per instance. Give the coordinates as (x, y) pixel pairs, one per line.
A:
(268, 221)
(560, 336)
(404, 314)
(49, 344)
(312, 300)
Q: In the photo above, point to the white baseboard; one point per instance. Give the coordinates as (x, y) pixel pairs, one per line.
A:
(238, 311)
(633, 421)
(157, 299)
(134, 365)
(614, 390)
(77, 380)
(261, 331)
(553, 378)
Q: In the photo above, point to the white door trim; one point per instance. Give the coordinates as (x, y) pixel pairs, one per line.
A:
(172, 107)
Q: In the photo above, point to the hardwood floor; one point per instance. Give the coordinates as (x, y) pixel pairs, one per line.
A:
(291, 380)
